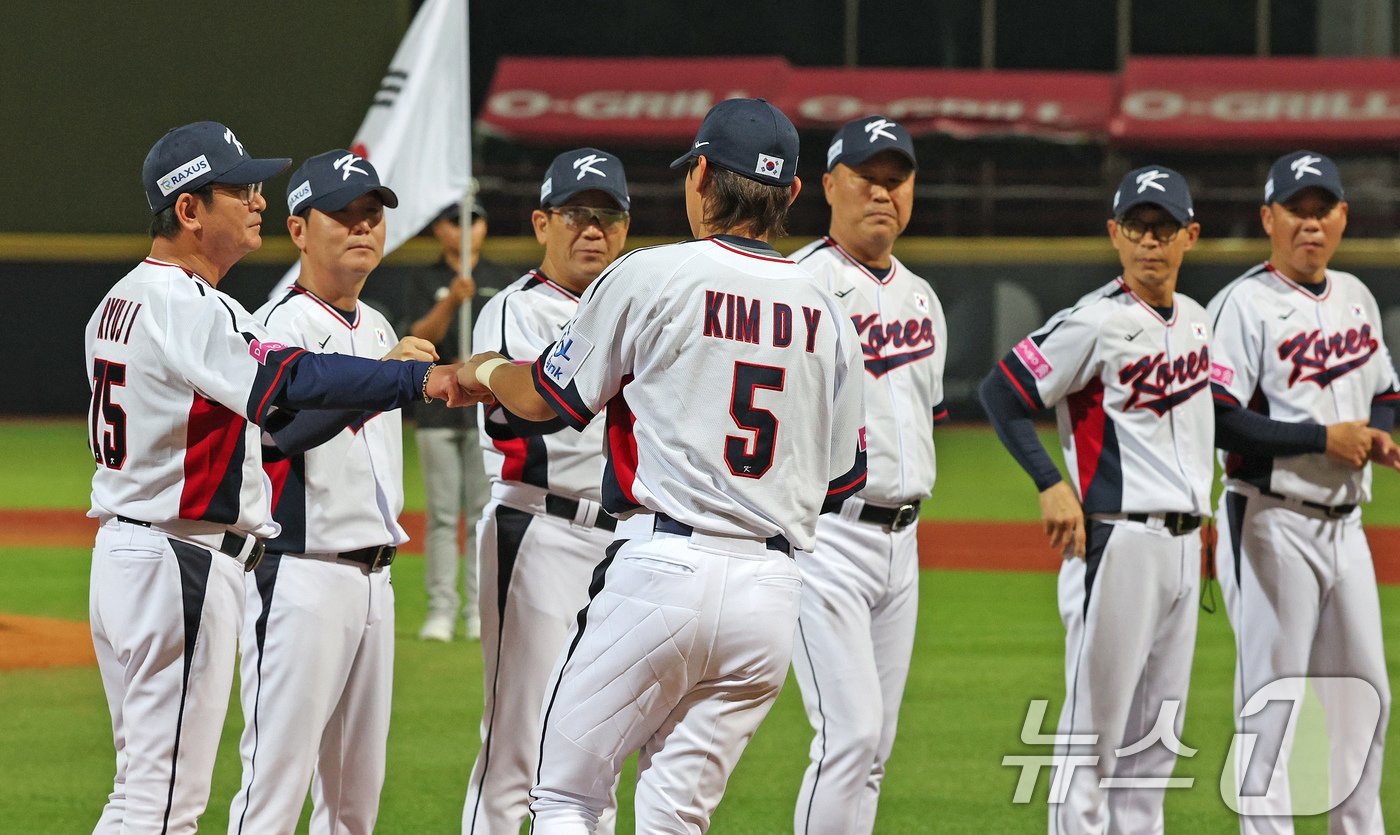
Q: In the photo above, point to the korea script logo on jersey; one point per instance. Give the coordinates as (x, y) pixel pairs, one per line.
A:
(913, 334)
(1153, 377)
(1311, 353)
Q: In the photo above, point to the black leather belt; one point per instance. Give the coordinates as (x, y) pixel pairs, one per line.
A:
(566, 508)
(373, 558)
(233, 544)
(1174, 523)
(1332, 511)
(666, 524)
(891, 518)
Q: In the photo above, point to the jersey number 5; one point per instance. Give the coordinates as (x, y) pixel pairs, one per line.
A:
(108, 441)
(752, 456)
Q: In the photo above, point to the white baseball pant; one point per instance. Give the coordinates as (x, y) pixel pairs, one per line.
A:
(165, 616)
(1129, 609)
(1300, 590)
(680, 654)
(855, 638)
(535, 573)
(316, 682)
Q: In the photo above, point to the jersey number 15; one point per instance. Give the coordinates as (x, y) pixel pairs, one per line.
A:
(107, 436)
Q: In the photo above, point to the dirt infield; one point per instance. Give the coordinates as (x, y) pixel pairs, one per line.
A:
(32, 643)
(981, 546)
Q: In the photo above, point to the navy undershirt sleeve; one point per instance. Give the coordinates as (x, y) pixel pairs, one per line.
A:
(1249, 433)
(1014, 422)
(336, 381)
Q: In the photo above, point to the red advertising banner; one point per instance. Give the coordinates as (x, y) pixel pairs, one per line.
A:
(663, 99)
(1186, 103)
(1320, 103)
(1062, 106)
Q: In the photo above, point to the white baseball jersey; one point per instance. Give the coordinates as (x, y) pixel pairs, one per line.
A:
(904, 342)
(520, 322)
(746, 436)
(175, 457)
(1300, 357)
(1124, 382)
(347, 493)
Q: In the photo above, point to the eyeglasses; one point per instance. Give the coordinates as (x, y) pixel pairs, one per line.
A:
(244, 193)
(1163, 231)
(579, 217)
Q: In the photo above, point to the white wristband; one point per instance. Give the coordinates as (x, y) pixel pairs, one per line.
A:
(483, 371)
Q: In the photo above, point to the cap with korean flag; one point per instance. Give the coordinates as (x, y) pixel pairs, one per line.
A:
(332, 181)
(1159, 186)
(1291, 173)
(750, 137)
(860, 139)
(193, 156)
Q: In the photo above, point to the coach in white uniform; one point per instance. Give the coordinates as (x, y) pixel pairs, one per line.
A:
(1305, 394)
(860, 594)
(1127, 370)
(545, 529)
(731, 384)
(182, 379)
(318, 629)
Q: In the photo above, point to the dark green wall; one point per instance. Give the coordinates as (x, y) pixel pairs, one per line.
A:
(87, 87)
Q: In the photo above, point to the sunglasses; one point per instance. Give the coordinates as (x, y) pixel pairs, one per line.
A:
(245, 193)
(1163, 231)
(579, 217)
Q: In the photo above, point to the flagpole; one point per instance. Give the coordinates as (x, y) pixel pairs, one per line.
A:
(464, 313)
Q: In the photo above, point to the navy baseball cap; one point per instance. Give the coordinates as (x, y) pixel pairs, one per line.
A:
(195, 155)
(332, 181)
(584, 169)
(860, 139)
(750, 137)
(1291, 173)
(1158, 186)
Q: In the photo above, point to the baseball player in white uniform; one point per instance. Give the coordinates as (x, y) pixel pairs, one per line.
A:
(182, 380)
(1127, 370)
(730, 381)
(318, 623)
(861, 583)
(1305, 394)
(545, 530)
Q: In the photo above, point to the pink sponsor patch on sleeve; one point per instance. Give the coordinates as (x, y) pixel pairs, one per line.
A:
(1034, 361)
(860, 442)
(1221, 374)
(260, 350)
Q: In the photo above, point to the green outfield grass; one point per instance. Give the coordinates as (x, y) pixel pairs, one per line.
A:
(987, 644)
(46, 464)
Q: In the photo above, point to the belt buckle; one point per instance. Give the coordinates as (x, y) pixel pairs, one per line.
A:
(255, 555)
(904, 516)
(379, 560)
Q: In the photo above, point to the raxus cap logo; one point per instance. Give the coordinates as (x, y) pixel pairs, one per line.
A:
(183, 173)
(584, 165)
(769, 166)
(546, 188)
(301, 195)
